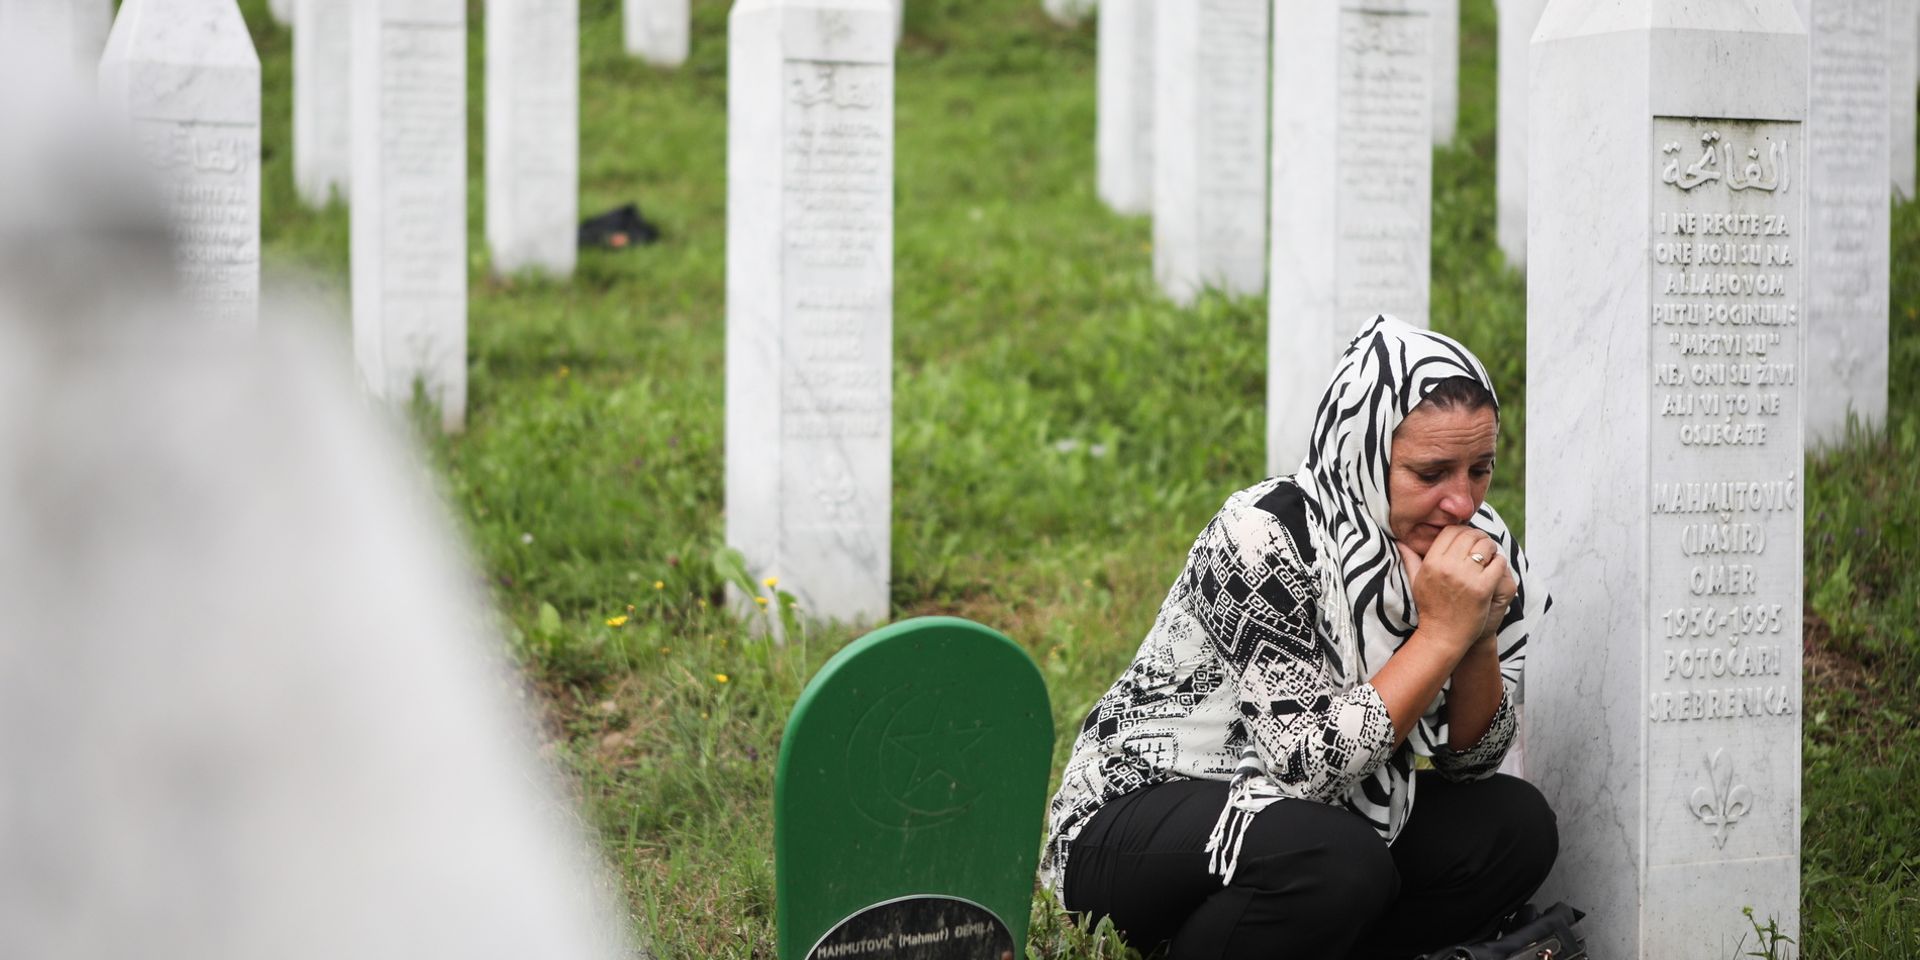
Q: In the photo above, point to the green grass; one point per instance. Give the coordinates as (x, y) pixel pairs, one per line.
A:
(589, 479)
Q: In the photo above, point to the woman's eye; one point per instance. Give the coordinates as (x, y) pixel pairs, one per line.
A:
(1429, 477)
(1483, 471)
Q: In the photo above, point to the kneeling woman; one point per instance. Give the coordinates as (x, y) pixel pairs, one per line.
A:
(1247, 787)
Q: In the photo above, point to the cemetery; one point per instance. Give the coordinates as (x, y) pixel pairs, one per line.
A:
(820, 397)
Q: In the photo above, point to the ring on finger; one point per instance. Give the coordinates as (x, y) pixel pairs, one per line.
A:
(1478, 558)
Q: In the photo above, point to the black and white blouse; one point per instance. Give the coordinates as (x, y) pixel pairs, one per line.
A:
(1238, 677)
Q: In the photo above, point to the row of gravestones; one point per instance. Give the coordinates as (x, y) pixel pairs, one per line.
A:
(1695, 167)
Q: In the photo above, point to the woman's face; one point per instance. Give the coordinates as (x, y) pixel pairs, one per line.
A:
(1438, 471)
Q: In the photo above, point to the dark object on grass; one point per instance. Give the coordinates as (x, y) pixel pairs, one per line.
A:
(1529, 935)
(618, 229)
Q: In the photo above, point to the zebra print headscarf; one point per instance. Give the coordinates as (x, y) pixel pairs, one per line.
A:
(1366, 599)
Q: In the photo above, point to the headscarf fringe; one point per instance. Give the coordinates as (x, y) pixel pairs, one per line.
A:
(1246, 796)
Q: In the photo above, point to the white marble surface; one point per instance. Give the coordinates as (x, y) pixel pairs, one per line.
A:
(1123, 132)
(1210, 147)
(409, 229)
(1446, 71)
(659, 32)
(66, 35)
(810, 300)
(184, 74)
(282, 11)
(1903, 64)
(533, 134)
(1849, 256)
(1517, 20)
(322, 107)
(1352, 193)
(1663, 465)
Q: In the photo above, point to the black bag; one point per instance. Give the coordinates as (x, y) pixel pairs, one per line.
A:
(1530, 935)
(618, 229)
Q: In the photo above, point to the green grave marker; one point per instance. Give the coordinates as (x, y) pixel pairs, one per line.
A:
(910, 796)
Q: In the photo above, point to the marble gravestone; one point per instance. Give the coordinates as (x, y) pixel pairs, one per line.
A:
(533, 134)
(409, 230)
(1666, 284)
(1903, 67)
(810, 299)
(283, 11)
(184, 75)
(659, 32)
(1210, 146)
(54, 34)
(910, 791)
(1848, 246)
(1123, 132)
(1446, 71)
(322, 108)
(1517, 20)
(1069, 12)
(1352, 193)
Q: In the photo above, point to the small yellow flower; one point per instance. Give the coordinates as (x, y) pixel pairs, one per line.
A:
(619, 621)
(565, 371)
(720, 678)
(771, 582)
(665, 650)
(659, 584)
(760, 600)
(703, 604)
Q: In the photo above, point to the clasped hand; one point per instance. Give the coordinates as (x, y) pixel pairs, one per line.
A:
(1460, 600)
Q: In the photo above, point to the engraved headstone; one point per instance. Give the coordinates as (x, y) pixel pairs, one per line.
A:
(409, 230)
(184, 75)
(1352, 193)
(1903, 64)
(1210, 146)
(1848, 250)
(909, 797)
(810, 299)
(659, 32)
(1124, 124)
(1446, 70)
(1517, 20)
(322, 107)
(1665, 329)
(533, 134)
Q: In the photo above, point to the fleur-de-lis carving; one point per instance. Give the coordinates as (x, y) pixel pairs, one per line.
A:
(1721, 803)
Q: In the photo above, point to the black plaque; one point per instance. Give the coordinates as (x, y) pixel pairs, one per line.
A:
(918, 928)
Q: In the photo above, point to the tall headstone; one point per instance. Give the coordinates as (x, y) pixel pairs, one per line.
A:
(909, 797)
(810, 299)
(322, 106)
(1848, 248)
(533, 134)
(1903, 64)
(1069, 12)
(1517, 20)
(1210, 146)
(65, 35)
(1446, 71)
(184, 75)
(1665, 330)
(1124, 125)
(282, 11)
(659, 32)
(409, 231)
(1352, 192)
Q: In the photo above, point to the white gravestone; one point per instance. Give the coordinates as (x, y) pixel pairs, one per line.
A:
(1903, 63)
(1666, 278)
(1352, 193)
(659, 32)
(322, 107)
(1124, 125)
(282, 11)
(533, 134)
(1446, 71)
(810, 299)
(184, 75)
(1210, 147)
(1068, 12)
(41, 35)
(1848, 250)
(1517, 20)
(409, 230)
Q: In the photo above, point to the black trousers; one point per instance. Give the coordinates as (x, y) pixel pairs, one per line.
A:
(1314, 880)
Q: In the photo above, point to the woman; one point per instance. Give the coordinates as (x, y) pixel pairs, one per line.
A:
(1247, 787)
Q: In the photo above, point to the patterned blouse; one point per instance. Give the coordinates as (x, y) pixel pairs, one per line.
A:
(1234, 657)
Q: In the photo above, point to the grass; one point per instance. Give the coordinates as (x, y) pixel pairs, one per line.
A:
(589, 479)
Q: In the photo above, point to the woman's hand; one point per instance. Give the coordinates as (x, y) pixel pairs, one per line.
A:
(1456, 596)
